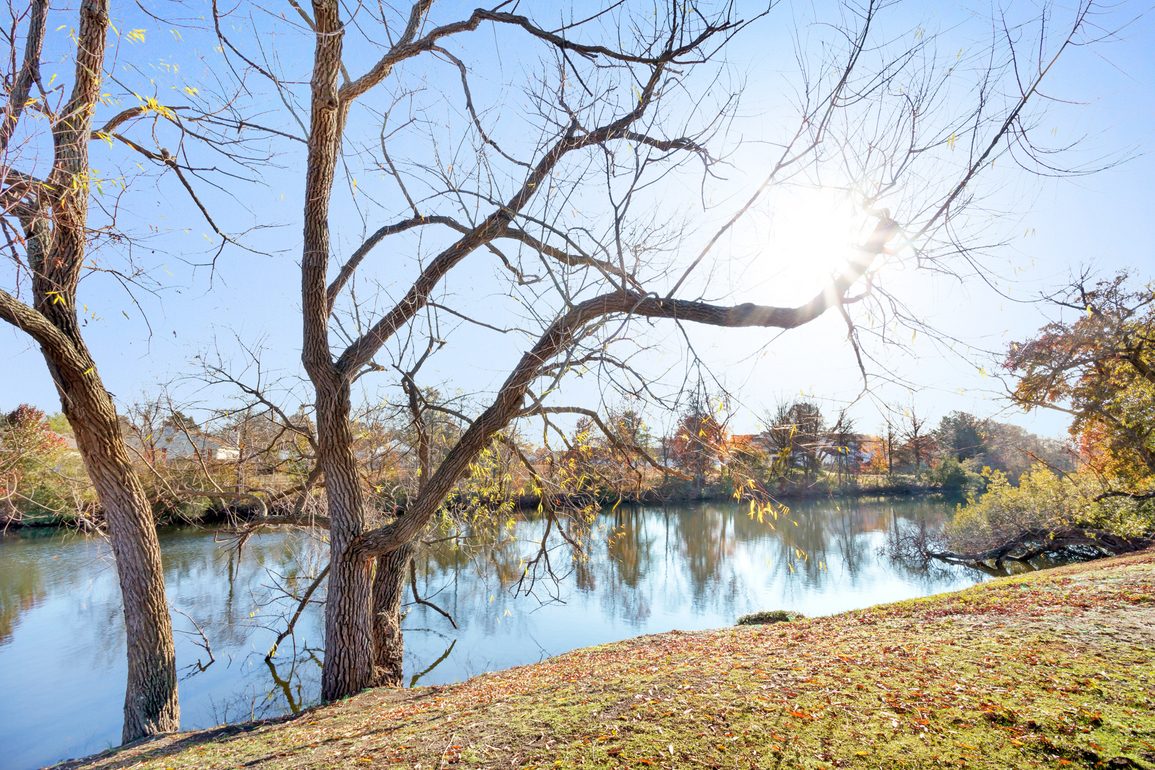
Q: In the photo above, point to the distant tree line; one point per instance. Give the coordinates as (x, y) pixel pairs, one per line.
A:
(230, 459)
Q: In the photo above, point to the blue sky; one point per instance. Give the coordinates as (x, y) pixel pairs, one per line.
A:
(1053, 228)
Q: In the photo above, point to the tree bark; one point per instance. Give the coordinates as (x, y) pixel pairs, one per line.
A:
(348, 665)
(54, 216)
(150, 701)
(388, 642)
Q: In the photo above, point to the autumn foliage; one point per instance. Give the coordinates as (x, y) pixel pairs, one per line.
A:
(1099, 368)
(29, 450)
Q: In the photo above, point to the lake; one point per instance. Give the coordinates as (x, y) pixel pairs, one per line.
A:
(643, 570)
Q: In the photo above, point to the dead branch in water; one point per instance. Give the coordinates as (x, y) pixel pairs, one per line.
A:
(1069, 541)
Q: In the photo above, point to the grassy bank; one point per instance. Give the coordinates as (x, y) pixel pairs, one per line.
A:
(1052, 669)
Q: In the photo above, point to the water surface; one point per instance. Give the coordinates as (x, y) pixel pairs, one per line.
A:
(643, 570)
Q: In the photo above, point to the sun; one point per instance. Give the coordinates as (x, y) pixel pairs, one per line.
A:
(810, 235)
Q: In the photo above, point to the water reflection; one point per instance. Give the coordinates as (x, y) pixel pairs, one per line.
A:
(642, 570)
(648, 570)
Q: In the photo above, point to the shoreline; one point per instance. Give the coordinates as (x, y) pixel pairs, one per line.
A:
(1047, 669)
(216, 516)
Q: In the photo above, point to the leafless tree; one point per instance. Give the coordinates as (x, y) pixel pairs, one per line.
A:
(408, 111)
(58, 224)
(920, 445)
(52, 216)
(889, 441)
(796, 431)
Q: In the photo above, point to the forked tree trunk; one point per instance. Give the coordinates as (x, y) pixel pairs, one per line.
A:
(150, 701)
(388, 642)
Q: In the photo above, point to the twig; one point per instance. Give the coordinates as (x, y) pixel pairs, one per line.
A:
(300, 608)
(204, 643)
(419, 600)
(444, 754)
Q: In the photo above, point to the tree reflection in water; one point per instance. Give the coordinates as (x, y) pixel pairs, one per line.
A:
(640, 570)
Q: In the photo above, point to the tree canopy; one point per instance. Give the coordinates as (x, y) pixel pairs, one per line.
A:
(1100, 369)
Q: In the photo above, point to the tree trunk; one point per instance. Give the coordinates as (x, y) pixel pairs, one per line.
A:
(150, 701)
(388, 642)
(348, 665)
(54, 215)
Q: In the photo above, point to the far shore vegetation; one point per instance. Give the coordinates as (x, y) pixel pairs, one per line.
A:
(1089, 495)
(249, 459)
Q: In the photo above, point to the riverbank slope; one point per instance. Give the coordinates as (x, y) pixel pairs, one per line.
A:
(1052, 669)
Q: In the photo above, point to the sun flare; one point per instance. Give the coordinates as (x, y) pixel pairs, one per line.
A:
(811, 235)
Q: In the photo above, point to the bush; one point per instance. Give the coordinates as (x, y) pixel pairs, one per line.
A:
(1044, 500)
(955, 476)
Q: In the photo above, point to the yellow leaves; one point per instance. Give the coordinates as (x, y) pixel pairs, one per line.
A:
(950, 142)
(191, 91)
(136, 36)
(152, 105)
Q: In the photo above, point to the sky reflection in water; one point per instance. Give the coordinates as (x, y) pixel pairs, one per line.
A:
(647, 570)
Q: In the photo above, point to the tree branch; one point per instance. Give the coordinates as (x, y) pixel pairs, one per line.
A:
(29, 72)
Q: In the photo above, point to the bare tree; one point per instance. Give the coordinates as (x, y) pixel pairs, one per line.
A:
(52, 214)
(571, 212)
(58, 219)
(844, 447)
(797, 432)
(920, 445)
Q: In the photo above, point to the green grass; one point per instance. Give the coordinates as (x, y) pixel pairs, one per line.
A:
(1048, 670)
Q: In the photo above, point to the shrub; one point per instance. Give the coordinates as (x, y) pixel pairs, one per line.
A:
(1044, 500)
(955, 476)
(766, 617)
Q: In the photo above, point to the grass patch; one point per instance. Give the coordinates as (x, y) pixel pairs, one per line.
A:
(1050, 670)
(766, 617)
